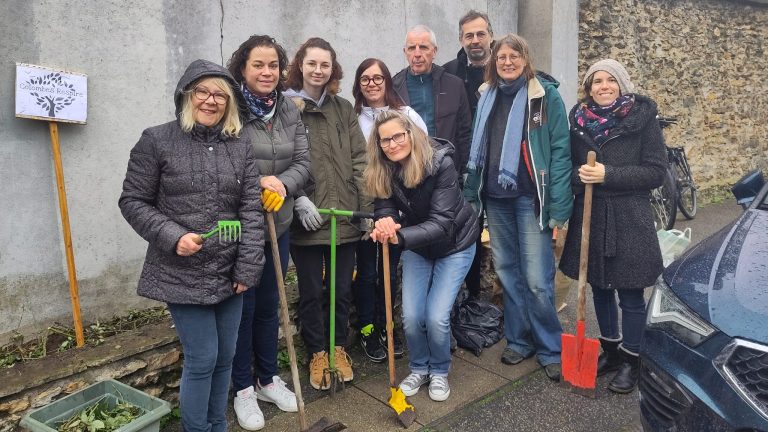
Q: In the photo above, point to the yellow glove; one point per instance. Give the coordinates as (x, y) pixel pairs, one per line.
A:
(271, 201)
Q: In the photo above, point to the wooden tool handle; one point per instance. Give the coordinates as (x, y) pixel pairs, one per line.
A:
(198, 239)
(286, 320)
(388, 313)
(581, 307)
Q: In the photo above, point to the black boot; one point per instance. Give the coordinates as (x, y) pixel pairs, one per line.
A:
(626, 378)
(609, 360)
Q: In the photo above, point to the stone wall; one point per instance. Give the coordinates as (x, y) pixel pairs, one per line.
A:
(703, 61)
(148, 359)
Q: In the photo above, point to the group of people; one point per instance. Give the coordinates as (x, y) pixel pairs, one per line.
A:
(433, 152)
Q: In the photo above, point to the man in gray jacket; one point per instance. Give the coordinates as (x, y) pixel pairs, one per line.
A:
(437, 96)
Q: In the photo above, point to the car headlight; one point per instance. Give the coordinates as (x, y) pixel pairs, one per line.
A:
(668, 313)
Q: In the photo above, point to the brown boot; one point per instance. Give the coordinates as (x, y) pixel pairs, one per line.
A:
(317, 367)
(344, 364)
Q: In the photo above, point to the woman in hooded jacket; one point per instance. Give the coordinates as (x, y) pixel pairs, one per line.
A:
(624, 256)
(419, 206)
(183, 177)
(278, 137)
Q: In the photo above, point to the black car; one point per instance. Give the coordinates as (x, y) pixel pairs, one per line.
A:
(704, 358)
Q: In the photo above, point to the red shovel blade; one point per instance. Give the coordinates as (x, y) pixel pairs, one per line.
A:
(579, 358)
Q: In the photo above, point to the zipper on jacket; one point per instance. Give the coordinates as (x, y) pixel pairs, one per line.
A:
(533, 165)
(543, 174)
(606, 141)
(274, 149)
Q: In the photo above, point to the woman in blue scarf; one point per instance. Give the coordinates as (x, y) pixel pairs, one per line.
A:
(519, 174)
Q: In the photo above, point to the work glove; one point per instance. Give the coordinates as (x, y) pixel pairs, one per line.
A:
(271, 201)
(556, 223)
(307, 214)
(366, 226)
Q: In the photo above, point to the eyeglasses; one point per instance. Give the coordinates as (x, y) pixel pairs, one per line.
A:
(481, 35)
(365, 80)
(202, 94)
(513, 58)
(397, 138)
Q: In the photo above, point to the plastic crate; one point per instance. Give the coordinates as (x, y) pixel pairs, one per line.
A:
(45, 419)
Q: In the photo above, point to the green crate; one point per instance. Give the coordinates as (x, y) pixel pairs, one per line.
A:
(153, 409)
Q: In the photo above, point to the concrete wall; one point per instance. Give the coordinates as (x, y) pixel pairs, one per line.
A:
(133, 52)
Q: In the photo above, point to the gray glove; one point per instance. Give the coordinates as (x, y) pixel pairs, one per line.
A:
(556, 223)
(366, 226)
(307, 214)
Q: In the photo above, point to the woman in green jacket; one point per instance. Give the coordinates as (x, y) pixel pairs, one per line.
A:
(337, 154)
(520, 172)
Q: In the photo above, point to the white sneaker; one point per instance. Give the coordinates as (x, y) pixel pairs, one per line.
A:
(249, 416)
(410, 385)
(278, 394)
(439, 389)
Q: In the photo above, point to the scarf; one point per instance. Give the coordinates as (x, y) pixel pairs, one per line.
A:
(262, 107)
(513, 134)
(599, 120)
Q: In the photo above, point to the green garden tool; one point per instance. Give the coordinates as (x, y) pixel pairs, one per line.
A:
(229, 230)
(332, 372)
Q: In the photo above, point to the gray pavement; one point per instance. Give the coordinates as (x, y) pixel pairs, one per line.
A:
(486, 395)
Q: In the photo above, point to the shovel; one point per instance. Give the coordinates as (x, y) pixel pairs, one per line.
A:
(332, 373)
(322, 425)
(579, 354)
(406, 414)
(229, 230)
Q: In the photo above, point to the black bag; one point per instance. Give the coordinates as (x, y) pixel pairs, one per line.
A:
(476, 323)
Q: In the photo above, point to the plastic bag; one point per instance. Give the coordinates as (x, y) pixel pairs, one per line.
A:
(673, 243)
(476, 324)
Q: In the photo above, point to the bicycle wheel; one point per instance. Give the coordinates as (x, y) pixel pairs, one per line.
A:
(687, 199)
(664, 203)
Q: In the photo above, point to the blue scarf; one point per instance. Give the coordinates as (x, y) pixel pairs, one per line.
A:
(262, 107)
(513, 134)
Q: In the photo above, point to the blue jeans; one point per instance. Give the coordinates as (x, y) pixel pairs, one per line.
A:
(429, 290)
(208, 334)
(632, 305)
(525, 264)
(257, 336)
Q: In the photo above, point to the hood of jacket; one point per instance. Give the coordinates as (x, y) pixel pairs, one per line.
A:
(442, 148)
(199, 69)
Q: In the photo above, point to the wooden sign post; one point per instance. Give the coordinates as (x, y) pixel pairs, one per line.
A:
(52, 95)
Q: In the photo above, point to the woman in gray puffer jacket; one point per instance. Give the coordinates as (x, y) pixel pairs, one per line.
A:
(183, 177)
(277, 134)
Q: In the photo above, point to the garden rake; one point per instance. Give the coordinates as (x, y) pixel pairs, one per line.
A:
(229, 231)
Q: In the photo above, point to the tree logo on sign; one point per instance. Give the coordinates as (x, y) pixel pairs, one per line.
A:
(57, 93)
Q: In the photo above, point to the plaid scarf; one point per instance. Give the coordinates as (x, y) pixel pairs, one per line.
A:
(599, 120)
(261, 106)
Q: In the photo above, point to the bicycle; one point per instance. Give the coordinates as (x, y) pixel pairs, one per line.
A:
(678, 189)
(687, 195)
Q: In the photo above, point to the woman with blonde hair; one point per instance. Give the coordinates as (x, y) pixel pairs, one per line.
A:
(419, 206)
(183, 177)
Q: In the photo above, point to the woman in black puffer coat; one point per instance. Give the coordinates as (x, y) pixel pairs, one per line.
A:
(183, 177)
(624, 256)
(419, 206)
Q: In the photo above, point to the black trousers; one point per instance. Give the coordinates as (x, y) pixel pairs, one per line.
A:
(473, 275)
(314, 317)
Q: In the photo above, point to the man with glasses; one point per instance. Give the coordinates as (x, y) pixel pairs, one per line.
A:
(438, 97)
(476, 39)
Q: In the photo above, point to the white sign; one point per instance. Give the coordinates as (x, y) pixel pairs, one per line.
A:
(49, 94)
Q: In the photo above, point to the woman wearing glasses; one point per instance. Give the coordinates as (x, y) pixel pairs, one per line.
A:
(419, 206)
(183, 177)
(520, 174)
(277, 135)
(337, 153)
(374, 93)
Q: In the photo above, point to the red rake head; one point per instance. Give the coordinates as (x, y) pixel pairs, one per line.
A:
(579, 358)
